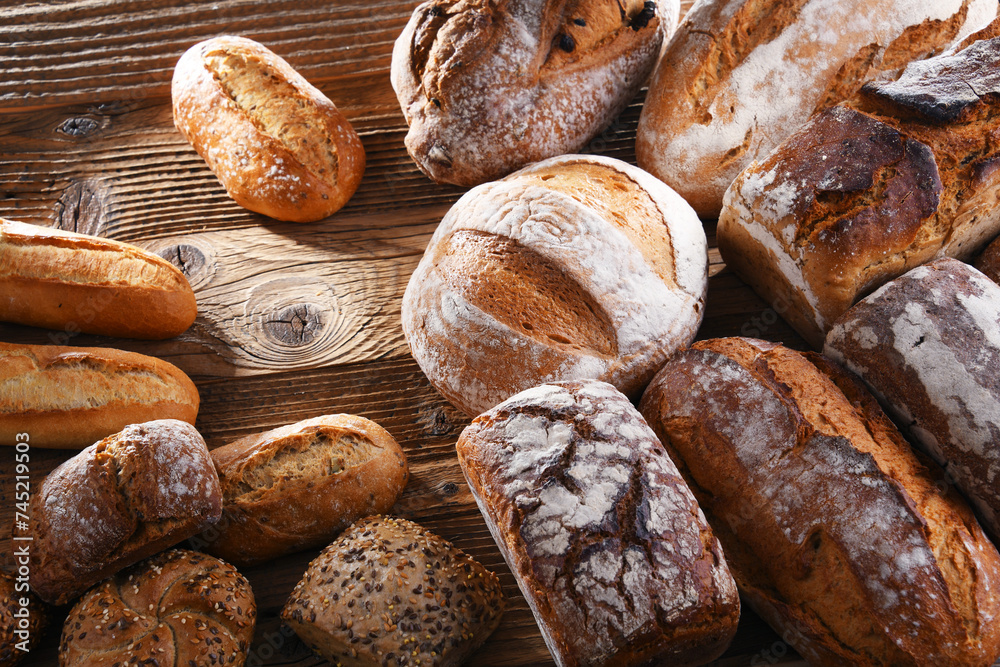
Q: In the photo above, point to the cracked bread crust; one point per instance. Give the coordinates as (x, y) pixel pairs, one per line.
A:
(121, 500)
(850, 545)
(488, 86)
(603, 536)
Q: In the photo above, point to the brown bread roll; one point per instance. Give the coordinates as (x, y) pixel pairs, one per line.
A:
(78, 283)
(23, 618)
(928, 344)
(119, 501)
(603, 536)
(844, 540)
(988, 261)
(575, 267)
(297, 486)
(739, 76)
(487, 87)
(278, 145)
(864, 192)
(71, 397)
(177, 608)
(389, 592)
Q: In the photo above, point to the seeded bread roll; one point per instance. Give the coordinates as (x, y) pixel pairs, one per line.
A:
(928, 344)
(278, 145)
(23, 618)
(904, 173)
(125, 498)
(606, 542)
(78, 283)
(852, 547)
(739, 76)
(297, 486)
(389, 592)
(176, 608)
(575, 267)
(488, 87)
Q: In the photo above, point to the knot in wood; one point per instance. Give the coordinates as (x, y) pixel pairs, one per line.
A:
(82, 208)
(295, 325)
(78, 127)
(190, 260)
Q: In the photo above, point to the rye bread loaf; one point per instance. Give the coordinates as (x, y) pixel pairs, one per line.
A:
(864, 192)
(389, 592)
(488, 87)
(297, 486)
(604, 538)
(738, 76)
(277, 144)
(841, 537)
(928, 345)
(78, 283)
(23, 618)
(121, 500)
(70, 397)
(574, 267)
(177, 608)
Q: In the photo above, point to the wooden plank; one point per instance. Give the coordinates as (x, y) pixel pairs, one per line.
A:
(294, 320)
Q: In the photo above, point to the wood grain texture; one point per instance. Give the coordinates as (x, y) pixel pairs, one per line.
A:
(294, 320)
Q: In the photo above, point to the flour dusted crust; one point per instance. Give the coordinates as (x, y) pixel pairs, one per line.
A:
(739, 76)
(865, 191)
(603, 536)
(847, 543)
(575, 267)
(118, 501)
(928, 343)
(487, 86)
(278, 145)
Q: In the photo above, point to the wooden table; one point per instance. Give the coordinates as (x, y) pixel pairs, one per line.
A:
(294, 320)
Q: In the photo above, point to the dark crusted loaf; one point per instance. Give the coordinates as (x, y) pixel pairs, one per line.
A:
(603, 536)
(21, 626)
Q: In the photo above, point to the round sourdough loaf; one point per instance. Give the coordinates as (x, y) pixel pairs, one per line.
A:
(278, 145)
(177, 608)
(574, 267)
(488, 87)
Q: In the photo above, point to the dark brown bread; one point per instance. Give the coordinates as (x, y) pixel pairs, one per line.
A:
(118, 501)
(928, 344)
(989, 261)
(904, 173)
(389, 592)
(177, 608)
(23, 618)
(844, 540)
(297, 486)
(74, 282)
(605, 540)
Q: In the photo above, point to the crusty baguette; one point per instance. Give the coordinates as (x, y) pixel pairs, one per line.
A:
(71, 397)
(78, 283)
(851, 546)
(297, 486)
(120, 500)
(278, 145)
(738, 76)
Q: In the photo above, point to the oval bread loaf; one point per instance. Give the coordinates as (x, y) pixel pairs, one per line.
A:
(606, 542)
(297, 486)
(574, 267)
(739, 76)
(852, 547)
(176, 608)
(278, 145)
(389, 592)
(71, 397)
(78, 283)
(928, 344)
(121, 500)
(489, 87)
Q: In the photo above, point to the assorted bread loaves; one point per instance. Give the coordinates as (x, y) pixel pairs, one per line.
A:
(297, 486)
(604, 538)
(489, 87)
(574, 267)
(838, 535)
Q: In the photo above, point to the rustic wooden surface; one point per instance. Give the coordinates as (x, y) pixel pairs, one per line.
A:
(294, 320)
